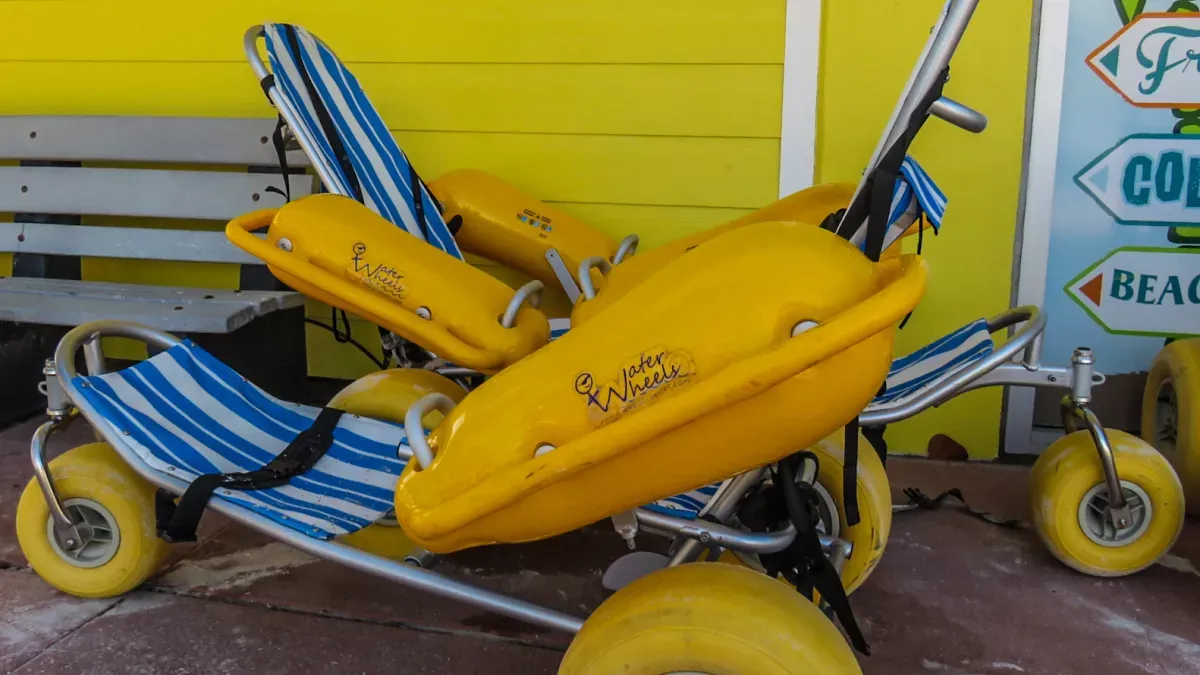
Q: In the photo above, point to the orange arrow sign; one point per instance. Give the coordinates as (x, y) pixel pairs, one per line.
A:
(1093, 288)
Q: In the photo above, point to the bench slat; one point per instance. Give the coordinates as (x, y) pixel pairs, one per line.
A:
(154, 193)
(139, 243)
(71, 303)
(190, 140)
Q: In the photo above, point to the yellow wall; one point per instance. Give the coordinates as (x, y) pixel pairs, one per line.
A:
(864, 69)
(657, 117)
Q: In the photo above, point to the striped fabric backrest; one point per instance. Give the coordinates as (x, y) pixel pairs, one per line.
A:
(342, 122)
(929, 196)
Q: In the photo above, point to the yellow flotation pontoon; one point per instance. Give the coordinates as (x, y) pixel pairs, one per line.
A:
(335, 250)
(762, 341)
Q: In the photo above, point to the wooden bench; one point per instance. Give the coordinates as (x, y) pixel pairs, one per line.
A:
(159, 175)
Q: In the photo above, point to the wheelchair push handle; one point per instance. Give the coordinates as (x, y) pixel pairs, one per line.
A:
(961, 116)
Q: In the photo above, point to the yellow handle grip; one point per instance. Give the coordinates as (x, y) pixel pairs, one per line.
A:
(368, 304)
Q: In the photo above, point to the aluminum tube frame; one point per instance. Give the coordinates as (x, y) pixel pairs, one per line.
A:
(398, 572)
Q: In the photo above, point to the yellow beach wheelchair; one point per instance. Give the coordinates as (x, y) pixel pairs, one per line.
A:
(677, 410)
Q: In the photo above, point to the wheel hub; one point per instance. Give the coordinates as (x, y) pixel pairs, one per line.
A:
(94, 539)
(1096, 521)
(1166, 417)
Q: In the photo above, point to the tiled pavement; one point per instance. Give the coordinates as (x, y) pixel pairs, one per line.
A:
(953, 595)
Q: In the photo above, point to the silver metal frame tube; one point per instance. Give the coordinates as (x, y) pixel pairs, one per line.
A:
(712, 534)
(959, 115)
(532, 292)
(942, 43)
(585, 274)
(408, 575)
(1035, 323)
(299, 131)
(1073, 411)
(37, 456)
(721, 508)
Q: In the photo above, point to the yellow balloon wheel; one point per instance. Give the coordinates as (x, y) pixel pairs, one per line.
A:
(708, 618)
(1068, 496)
(387, 395)
(120, 549)
(1171, 413)
(869, 537)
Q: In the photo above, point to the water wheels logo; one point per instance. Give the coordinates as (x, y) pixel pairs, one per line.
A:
(640, 380)
(379, 277)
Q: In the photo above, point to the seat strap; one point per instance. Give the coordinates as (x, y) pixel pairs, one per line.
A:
(850, 473)
(919, 500)
(281, 154)
(323, 117)
(809, 567)
(177, 522)
(875, 203)
(803, 563)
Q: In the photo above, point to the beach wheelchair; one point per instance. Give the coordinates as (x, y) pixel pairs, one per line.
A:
(706, 402)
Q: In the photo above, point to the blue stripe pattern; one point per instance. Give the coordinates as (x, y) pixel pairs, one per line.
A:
(186, 414)
(913, 194)
(929, 196)
(933, 363)
(383, 170)
(689, 505)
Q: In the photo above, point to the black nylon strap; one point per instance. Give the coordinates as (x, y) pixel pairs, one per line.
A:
(876, 207)
(874, 436)
(177, 522)
(815, 571)
(418, 200)
(281, 153)
(920, 500)
(850, 474)
(323, 117)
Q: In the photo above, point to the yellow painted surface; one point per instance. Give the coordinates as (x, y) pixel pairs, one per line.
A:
(660, 118)
(655, 117)
(865, 67)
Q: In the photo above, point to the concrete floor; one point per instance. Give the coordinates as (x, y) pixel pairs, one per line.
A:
(953, 595)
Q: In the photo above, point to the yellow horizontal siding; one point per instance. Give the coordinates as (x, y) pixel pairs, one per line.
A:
(657, 118)
(463, 31)
(716, 100)
(654, 225)
(651, 170)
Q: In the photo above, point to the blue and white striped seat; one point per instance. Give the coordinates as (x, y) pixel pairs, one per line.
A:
(388, 183)
(915, 189)
(927, 367)
(930, 365)
(185, 414)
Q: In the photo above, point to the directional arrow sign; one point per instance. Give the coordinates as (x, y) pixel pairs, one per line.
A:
(1142, 291)
(1154, 62)
(1147, 179)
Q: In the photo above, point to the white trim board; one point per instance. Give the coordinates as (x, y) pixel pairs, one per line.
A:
(1034, 245)
(801, 70)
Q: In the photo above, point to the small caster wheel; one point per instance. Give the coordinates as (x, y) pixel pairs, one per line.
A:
(869, 537)
(120, 549)
(1171, 413)
(387, 395)
(1069, 500)
(708, 618)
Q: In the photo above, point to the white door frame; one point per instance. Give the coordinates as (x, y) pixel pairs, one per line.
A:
(801, 71)
(1033, 234)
